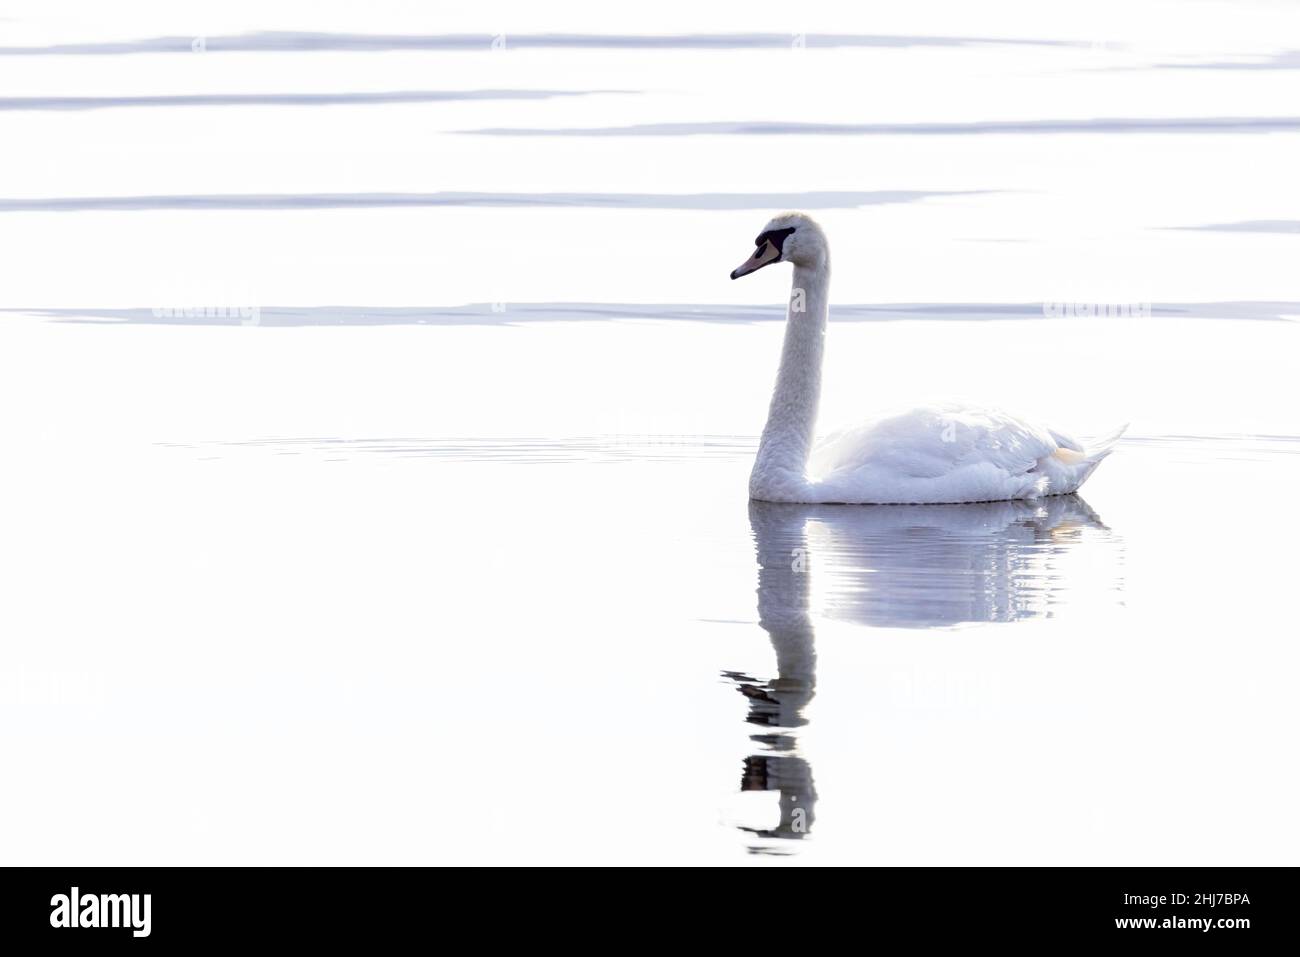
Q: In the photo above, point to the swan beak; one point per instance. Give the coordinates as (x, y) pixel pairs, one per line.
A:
(763, 255)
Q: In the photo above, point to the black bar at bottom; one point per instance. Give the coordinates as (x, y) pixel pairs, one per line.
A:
(375, 906)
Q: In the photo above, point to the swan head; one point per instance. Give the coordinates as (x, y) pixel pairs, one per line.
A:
(792, 238)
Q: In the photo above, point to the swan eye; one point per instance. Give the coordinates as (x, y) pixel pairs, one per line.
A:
(776, 237)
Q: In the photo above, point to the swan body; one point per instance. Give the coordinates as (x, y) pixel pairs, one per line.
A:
(945, 453)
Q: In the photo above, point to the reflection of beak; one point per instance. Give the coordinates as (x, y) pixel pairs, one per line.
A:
(763, 255)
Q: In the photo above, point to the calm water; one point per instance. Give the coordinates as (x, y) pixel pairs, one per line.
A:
(602, 652)
(444, 553)
(595, 649)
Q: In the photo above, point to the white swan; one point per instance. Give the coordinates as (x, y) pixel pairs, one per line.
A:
(941, 453)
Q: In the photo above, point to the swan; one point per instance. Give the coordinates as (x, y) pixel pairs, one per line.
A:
(944, 453)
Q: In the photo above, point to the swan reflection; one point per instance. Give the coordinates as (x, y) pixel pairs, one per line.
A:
(900, 566)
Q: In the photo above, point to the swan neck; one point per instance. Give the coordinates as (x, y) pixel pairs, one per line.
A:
(782, 461)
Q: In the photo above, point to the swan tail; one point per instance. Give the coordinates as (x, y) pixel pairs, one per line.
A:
(1071, 464)
(1096, 449)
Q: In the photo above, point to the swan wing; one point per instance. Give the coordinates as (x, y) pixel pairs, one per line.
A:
(943, 453)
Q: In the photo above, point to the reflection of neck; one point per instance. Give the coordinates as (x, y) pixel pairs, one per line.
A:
(784, 592)
(782, 458)
(784, 585)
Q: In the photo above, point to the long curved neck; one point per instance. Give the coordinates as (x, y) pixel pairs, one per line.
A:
(783, 450)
